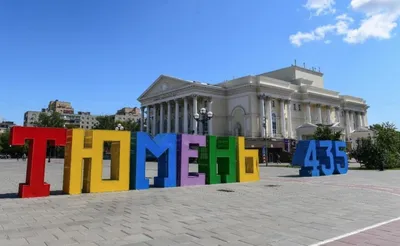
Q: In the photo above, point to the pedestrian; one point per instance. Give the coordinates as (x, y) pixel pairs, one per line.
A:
(24, 157)
(278, 159)
(17, 156)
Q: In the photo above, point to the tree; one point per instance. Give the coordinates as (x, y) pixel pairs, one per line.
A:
(106, 122)
(324, 132)
(129, 125)
(50, 120)
(12, 150)
(380, 150)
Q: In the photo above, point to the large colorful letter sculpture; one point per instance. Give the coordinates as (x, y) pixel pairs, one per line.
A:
(38, 138)
(163, 147)
(320, 158)
(87, 145)
(221, 159)
(218, 160)
(248, 161)
(185, 178)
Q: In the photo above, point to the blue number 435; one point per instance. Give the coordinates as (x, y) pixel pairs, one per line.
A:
(321, 158)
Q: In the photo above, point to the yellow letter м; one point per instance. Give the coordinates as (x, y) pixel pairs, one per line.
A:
(87, 146)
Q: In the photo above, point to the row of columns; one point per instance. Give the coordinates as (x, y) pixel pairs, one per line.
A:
(266, 128)
(354, 120)
(319, 113)
(152, 112)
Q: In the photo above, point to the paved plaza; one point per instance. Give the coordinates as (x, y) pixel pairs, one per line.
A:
(359, 208)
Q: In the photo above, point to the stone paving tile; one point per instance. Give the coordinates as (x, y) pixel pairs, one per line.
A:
(281, 209)
(388, 234)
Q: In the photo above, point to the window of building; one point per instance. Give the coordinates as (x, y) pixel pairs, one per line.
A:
(273, 103)
(294, 107)
(299, 107)
(274, 123)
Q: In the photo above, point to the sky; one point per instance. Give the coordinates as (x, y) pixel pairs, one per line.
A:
(101, 55)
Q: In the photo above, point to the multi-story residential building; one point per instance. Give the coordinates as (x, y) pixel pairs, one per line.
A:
(83, 120)
(61, 107)
(4, 125)
(126, 114)
(272, 109)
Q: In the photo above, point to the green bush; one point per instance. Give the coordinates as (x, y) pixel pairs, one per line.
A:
(382, 149)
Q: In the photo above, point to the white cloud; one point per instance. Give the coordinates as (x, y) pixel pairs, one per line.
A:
(327, 41)
(320, 7)
(381, 17)
(339, 28)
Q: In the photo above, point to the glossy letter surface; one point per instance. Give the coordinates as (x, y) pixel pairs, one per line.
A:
(325, 157)
(163, 147)
(340, 158)
(218, 160)
(38, 138)
(186, 178)
(88, 146)
(247, 163)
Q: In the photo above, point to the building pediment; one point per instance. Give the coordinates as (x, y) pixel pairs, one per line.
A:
(307, 125)
(162, 85)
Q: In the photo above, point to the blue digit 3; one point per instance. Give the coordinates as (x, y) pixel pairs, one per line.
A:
(326, 160)
(310, 166)
(341, 161)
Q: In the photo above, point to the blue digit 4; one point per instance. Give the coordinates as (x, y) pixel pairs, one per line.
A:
(310, 164)
(341, 161)
(327, 166)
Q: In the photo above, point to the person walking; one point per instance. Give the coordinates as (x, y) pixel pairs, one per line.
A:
(24, 157)
(278, 159)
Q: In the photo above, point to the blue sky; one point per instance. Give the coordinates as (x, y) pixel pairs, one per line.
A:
(101, 55)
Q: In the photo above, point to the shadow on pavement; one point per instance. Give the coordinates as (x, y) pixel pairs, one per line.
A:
(290, 176)
(15, 195)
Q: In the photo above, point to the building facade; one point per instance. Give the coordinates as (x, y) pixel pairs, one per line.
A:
(273, 109)
(83, 120)
(6, 125)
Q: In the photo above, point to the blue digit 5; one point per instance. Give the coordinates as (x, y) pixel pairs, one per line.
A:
(341, 161)
(326, 161)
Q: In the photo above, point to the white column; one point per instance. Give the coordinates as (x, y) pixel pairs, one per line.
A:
(161, 117)
(169, 117)
(319, 114)
(176, 116)
(328, 109)
(308, 112)
(195, 111)
(337, 114)
(148, 119)
(360, 121)
(210, 122)
(269, 113)
(142, 118)
(365, 119)
(185, 115)
(262, 116)
(352, 120)
(154, 130)
(289, 117)
(348, 123)
(283, 124)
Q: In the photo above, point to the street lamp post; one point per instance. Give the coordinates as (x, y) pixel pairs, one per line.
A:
(203, 117)
(119, 127)
(266, 141)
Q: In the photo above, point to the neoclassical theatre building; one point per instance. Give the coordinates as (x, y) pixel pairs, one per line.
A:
(272, 109)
